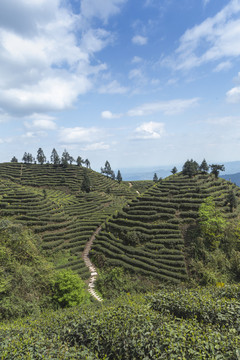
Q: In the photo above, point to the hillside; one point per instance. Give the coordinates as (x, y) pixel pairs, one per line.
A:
(49, 200)
(154, 233)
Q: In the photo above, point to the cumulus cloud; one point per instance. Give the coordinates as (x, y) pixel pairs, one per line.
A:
(150, 130)
(214, 39)
(139, 40)
(167, 107)
(44, 64)
(78, 135)
(109, 115)
(42, 122)
(233, 95)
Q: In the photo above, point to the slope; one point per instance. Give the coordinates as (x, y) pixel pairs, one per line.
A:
(50, 201)
(149, 235)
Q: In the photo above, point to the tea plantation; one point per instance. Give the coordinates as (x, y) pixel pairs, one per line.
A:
(151, 234)
(158, 242)
(171, 324)
(49, 200)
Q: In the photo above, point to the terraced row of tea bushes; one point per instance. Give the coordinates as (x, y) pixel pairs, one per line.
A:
(134, 327)
(65, 222)
(135, 237)
(140, 185)
(216, 306)
(65, 178)
(153, 221)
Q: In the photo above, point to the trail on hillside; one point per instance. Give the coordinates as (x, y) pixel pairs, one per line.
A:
(89, 264)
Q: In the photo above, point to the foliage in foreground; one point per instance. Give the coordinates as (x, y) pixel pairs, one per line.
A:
(28, 282)
(215, 250)
(25, 275)
(158, 326)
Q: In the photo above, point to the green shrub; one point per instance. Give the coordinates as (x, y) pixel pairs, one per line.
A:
(68, 289)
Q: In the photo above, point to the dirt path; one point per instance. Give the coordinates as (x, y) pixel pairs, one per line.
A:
(92, 269)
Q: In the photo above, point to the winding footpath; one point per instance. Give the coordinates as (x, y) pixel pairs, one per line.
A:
(92, 269)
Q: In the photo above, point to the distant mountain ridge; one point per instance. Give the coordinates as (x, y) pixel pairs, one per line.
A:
(162, 171)
(234, 178)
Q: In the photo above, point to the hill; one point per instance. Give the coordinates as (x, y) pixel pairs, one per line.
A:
(155, 233)
(234, 178)
(50, 201)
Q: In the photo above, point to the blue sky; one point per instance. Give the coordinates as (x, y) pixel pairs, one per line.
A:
(134, 82)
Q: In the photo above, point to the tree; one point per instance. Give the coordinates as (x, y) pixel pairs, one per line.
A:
(232, 200)
(65, 158)
(204, 167)
(69, 289)
(212, 223)
(174, 170)
(190, 168)
(71, 160)
(55, 159)
(28, 158)
(24, 158)
(87, 162)
(107, 170)
(41, 158)
(119, 176)
(14, 159)
(113, 177)
(215, 169)
(86, 187)
(155, 177)
(79, 161)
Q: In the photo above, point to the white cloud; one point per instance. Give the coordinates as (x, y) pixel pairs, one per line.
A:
(150, 130)
(42, 122)
(113, 88)
(37, 75)
(167, 107)
(109, 115)
(95, 40)
(29, 135)
(135, 73)
(79, 135)
(233, 95)
(96, 146)
(225, 65)
(139, 40)
(136, 59)
(101, 9)
(214, 39)
(237, 78)
(56, 93)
